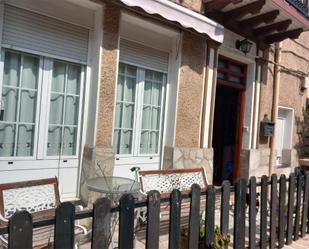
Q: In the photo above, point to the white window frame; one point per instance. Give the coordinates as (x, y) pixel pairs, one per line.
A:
(137, 121)
(43, 105)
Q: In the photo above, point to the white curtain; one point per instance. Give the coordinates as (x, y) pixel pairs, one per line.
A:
(19, 96)
(64, 109)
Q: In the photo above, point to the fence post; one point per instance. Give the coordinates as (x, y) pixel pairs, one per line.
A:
(20, 231)
(225, 207)
(153, 220)
(194, 219)
(282, 218)
(101, 225)
(305, 206)
(240, 214)
(175, 212)
(273, 211)
(64, 226)
(263, 226)
(126, 222)
(252, 213)
(289, 233)
(298, 205)
(210, 216)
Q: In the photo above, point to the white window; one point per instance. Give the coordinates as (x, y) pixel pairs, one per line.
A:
(41, 107)
(139, 111)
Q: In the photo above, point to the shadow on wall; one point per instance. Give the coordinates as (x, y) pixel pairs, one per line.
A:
(302, 126)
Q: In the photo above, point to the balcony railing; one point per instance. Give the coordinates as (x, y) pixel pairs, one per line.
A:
(301, 6)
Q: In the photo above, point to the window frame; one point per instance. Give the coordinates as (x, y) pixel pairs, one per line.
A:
(138, 108)
(43, 106)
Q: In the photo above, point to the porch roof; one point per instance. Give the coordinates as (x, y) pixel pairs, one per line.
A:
(262, 21)
(185, 17)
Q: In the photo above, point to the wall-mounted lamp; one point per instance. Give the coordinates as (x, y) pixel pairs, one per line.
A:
(244, 46)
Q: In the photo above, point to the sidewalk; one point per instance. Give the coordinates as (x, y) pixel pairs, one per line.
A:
(299, 244)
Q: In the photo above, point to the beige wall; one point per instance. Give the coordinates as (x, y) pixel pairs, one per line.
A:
(294, 54)
(108, 75)
(190, 93)
(196, 5)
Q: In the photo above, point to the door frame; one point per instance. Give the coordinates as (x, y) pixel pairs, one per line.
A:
(242, 99)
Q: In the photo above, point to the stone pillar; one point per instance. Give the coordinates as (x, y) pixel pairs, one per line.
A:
(100, 160)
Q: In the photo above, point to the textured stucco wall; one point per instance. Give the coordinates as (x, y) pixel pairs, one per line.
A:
(108, 74)
(190, 92)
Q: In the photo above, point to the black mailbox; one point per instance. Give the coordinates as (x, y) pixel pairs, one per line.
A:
(267, 128)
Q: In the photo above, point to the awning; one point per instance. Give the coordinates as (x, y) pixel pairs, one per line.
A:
(185, 17)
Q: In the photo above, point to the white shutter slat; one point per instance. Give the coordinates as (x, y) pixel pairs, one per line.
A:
(28, 30)
(138, 54)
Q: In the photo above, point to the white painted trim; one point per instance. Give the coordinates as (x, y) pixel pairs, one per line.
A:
(292, 123)
(208, 97)
(34, 52)
(257, 87)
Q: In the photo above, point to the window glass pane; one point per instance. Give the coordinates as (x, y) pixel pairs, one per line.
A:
(11, 69)
(58, 81)
(118, 115)
(156, 94)
(25, 140)
(131, 71)
(54, 140)
(120, 86)
(27, 106)
(221, 76)
(146, 117)
(222, 64)
(125, 104)
(19, 96)
(155, 121)
(9, 98)
(235, 68)
(147, 92)
(117, 141)
(30, 72)
(73, 83)
(64, 109)
(126, 142)
(7, 140)
(69, 141)
(129, 90)
(71, 110)
(56, 109)
(144, 145)
(151, 112)
(154, 142)
(235, 79)
(127, 116)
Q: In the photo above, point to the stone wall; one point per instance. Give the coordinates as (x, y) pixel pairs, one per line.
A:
(255, 162)
(98, 161)
(184, 157)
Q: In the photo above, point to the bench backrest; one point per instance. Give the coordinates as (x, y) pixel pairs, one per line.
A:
(36, 197)
(165, 181)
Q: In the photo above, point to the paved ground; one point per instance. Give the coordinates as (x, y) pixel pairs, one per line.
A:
(300, 244)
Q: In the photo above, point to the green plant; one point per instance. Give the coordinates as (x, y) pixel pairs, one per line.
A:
(220, 240)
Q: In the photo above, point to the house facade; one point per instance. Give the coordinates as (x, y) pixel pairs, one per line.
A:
(94, 88)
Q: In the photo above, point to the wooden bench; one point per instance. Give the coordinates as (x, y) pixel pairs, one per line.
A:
(38, 197)
(164, 181)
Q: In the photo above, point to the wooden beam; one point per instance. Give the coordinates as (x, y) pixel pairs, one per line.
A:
(218, 4)
(263, 18)
(237, 13)
(278, 26)
(292, 34)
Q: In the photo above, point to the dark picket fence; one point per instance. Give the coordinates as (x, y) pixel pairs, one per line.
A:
(282, 215)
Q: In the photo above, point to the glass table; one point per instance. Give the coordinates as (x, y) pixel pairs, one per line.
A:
(113, 186)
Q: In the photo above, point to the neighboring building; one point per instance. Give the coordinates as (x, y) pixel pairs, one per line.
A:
(103, 86)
